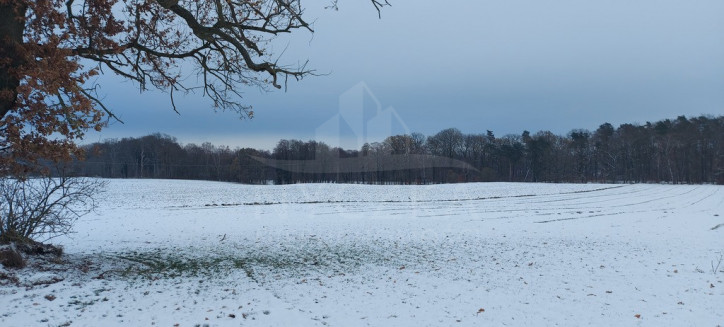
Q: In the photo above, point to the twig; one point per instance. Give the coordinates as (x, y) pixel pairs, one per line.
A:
(715, 270)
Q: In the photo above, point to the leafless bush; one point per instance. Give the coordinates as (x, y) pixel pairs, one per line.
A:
(44, 206)
(10, 257)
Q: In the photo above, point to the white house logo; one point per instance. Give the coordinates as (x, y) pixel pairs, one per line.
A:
(361, 121)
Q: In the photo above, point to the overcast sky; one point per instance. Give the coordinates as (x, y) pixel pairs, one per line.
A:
(506, 66)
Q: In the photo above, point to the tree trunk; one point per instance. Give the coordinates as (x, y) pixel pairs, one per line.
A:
(12, 25)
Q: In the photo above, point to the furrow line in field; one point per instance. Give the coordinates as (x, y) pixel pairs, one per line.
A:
(485, 198)
(633, 191)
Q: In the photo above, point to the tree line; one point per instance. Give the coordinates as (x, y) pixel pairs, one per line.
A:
(681, 150)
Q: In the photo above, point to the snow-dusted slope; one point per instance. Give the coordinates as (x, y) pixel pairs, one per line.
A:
(188, 253)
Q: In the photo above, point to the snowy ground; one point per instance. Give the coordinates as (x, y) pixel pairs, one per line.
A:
(161, 253)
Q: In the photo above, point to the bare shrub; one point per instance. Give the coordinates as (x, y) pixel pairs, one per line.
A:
(11, 258)
(44, 206)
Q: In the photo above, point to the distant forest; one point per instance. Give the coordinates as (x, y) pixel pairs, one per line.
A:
(682, 150)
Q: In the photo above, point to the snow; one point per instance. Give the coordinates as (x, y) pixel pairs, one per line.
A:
(163, 252)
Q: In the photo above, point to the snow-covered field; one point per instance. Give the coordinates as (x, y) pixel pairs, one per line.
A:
(188, 253)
